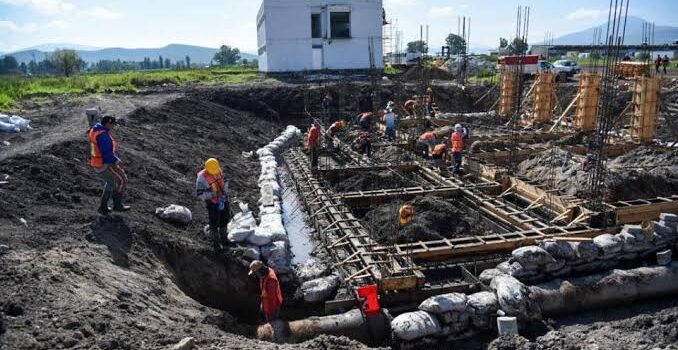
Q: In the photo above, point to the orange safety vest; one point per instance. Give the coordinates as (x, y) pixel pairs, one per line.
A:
(97, 158)
(457, 142)
(366, 116)
(216, 184)
(270, 302)
(427, 136)
(439, 149)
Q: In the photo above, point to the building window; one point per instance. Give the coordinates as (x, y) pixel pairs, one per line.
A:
(262, 50)
(316, 31)
(340, 24)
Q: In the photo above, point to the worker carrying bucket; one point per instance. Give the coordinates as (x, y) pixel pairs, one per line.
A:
(406, 214)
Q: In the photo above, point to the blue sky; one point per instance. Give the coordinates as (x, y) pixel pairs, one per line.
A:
(155, 23)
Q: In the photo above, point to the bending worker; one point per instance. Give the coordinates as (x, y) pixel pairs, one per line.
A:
(211, 188)
(425, 143)
(271, 297)
(409, 107)
(439, 155)
(332, 131)
(107, 165)
(457, 142)
(313, 143)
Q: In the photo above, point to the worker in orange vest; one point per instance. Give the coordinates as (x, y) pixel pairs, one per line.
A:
(313, 143)
(104, 159)
(332, 131)
(457, 144)
(211, 187)
(425, 143)
(439, 155)
(271, 296)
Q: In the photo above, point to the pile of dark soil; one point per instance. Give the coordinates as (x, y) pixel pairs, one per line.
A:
(434, 218)
(429, 73)
(373, 180)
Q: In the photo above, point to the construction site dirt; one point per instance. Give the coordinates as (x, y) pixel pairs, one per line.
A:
(71, 278)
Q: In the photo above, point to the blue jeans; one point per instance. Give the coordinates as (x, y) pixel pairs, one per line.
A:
(457, 161)
(390, 133)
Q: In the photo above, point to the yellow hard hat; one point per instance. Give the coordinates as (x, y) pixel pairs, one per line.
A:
(429, 89)
(212, 166)
(406, 214)
(342, 123)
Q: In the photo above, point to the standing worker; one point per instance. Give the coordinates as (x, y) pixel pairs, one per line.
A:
(364, 143)
(425, 143)
(313, 143)
(657, 63)
(211, 188)
(457, 142)
(430, 103)
(107, 165)
(390, 122)
(271, 297)
(665, 63)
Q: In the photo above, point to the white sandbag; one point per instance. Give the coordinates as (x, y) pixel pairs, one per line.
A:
(634, 241)
(240, 234)
(517, 270)
(559, 250)
(664, 229)
(21, 123)
(7, 127)
(511, 295)
(532, 256)
(274, 225)
(487, 275)
(668, 217)
(270, 209)
(608, 245)
(320, 289)
(260, 237)
(483, 303)
(175, 213)
(439, 304)
(251, 252)
(413, 325)
(555, 266)
(310, 269)
(261, 152)
(585, 251)
(277, 257)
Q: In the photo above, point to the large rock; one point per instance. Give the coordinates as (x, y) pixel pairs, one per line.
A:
(439, 304)
(413, 325)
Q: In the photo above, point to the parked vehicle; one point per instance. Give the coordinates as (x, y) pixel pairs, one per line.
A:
(568, 66)
(532, 65)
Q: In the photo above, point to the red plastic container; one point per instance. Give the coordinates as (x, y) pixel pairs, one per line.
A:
(370, 295)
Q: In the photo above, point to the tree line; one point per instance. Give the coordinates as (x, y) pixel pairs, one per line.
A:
(457, 45)
(68, 62)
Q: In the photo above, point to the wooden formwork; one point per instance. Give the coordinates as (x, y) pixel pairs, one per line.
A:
(587, 102)
(507, 94)
(646, 98)
(632, 69)
(544, 91)
(638, 210)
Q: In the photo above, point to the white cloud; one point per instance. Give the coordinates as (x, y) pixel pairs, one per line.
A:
(399, 2)
(7, 27)
(58, 24)
(442, 11)
(101, 13)
(45, 7)
(585, 14)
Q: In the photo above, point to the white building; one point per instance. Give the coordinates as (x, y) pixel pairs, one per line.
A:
(300, 35)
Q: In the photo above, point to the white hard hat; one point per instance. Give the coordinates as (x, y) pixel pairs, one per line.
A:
(457, 126)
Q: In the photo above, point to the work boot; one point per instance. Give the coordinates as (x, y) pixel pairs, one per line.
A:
(214, 236)
(117, 203)
(103, 206)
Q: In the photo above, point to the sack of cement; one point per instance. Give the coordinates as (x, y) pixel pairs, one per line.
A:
(439, 304)
(175, 213)
(274, 225)
(262, 152)
(662, 228)
(608, 245)
(632, 229)
(487, 275)
(320, 289)
(511, 295)
(240, 234)
(277, 256)
(310, 269)
(413, 325)
(555, 266)
(517, 270)
(532, 256)
(251, 252)
(7, 127)
(260, 237)
(667, 217)
(483, 303)
(634, 241)
(270, 209)
(21, 123)
(585, 251)
(560, 250)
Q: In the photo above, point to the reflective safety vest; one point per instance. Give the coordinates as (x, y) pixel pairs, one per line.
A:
(428, 137)
(271, 296)
(216, 184)
(96, 157)
(406, 214)
(457, 142)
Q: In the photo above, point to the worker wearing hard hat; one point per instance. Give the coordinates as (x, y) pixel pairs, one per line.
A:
(313, 143)
(457, 144)
(425, 143)
(271, 297)
(211, 187)
(389, 120)
(104, 159)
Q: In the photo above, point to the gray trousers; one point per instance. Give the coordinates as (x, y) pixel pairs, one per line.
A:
(115, 179)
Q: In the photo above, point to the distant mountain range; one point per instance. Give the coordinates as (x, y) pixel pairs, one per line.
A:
(175, 52)
(633, 36)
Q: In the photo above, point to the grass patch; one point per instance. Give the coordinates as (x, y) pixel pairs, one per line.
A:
(15, 88)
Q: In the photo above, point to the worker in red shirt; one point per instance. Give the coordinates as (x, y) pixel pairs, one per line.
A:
(313, 143)
(425, 143)
(271, 296)
(439, 155)
(457, 144)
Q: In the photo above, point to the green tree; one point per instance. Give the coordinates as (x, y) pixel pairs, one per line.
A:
(188, 62)
(517, 46)
(160, 61)
(168, 63)
(245, 61)
(417, 46)
(8, 64)
(65, 61)
(23, 68)
(503, 43)
(456, 43)
(227, 55)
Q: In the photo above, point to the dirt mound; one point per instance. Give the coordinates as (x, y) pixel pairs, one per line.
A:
(434, 218)
(415, 74)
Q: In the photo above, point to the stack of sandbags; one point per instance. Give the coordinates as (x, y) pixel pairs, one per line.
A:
(665, 230)
(14, 123)
(240, 228)
(416, 325)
